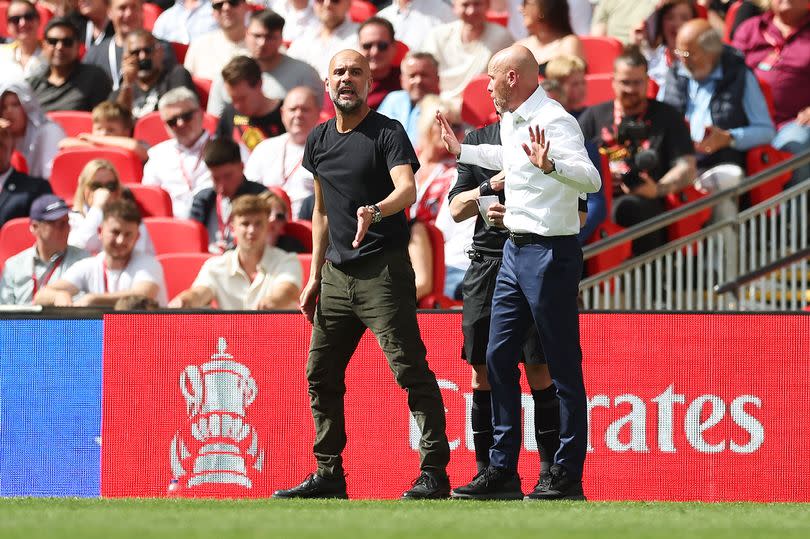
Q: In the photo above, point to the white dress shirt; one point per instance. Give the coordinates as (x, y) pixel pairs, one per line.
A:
(539, 203)
(232, 287)
(411, 21)
(317, 50)
(181, 25)
(178, 170)
(208, 54)
(277, 161)
(297, 22)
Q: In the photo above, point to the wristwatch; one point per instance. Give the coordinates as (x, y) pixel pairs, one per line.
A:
(553, 166)
(377, 213)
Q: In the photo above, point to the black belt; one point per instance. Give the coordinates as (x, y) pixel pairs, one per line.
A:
(529, 238)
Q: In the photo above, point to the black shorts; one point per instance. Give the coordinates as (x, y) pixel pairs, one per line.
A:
(477, 289)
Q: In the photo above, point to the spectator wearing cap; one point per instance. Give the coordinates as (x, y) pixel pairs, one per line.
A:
(17, 190)
(212, 206)
(48, 259)
(185, 21)
(208, 54)
(116, 272)
(66, 83)
(412, 17)
(254, 275)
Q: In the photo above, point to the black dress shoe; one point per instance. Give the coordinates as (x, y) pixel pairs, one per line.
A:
(491, 484)
(316, 486)
(429, 486)
(557, 485)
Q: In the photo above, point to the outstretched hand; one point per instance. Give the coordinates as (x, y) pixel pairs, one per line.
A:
(451, 143)
(538, 152)
(364, 217)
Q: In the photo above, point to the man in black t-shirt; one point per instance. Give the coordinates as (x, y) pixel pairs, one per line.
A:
(251, 116)
(666, 134)
(361, 277)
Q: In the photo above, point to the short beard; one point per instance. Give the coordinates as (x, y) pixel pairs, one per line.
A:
(344, 107)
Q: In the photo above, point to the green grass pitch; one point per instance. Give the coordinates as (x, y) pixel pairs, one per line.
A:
(235, 519)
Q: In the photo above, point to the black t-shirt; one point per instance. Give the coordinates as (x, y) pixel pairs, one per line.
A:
(145, 101)
(249, 130)
(668, 134)
(86, 87)
(354, 170)
(487, 240)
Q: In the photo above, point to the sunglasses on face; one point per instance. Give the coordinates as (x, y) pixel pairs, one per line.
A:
(185, 116)
(109, 186)
(382, 46)
(219, 5)
(66, 41)
(27, 17)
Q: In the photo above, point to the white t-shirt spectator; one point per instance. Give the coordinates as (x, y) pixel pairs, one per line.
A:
(296, 21)
(231, 286)
(84, 232)
(209, 53)
(317, 51)
(277, 161)
(411, 24)
(88, 275)
(182, 25)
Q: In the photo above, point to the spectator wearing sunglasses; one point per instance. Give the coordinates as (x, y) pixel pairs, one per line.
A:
(185, 21)
(144, 78)
(376, 38)
(212, 206)
(209, 53)
(66, 83)
(22, 57)
(176, 165)
(98, 184)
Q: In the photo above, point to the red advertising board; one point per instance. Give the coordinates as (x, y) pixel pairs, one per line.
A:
(682, 407)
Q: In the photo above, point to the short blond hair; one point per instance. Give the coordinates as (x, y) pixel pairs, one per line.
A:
(560, 67)
(110, 111)
(249, 205)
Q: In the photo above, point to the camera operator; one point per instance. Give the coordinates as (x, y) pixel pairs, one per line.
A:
(647, 144)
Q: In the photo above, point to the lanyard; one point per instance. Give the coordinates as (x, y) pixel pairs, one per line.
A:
(222, 219)
(104, 273)
(183, 172)
(88, 35)
(286, 175)
(114, 74)
(49, 271)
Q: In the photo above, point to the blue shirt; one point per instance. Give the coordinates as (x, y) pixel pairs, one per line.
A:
(397, 106)
(760, 128)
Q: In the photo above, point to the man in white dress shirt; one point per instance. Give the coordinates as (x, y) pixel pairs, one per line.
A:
(185, 21)
(335, 33)
(298, 15)
(411, 18)
(277, 160)
(118, 271)
(546, 170)
(176, 165)
(208, 54)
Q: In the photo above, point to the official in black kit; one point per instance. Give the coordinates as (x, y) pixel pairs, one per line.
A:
(361, 277)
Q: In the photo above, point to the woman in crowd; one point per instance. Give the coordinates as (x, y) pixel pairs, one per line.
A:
(22, 57)
(550, 32)
(98, 183)
(35, 136)
(656, 35)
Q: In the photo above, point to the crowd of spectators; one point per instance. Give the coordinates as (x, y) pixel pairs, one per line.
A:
(238, 86)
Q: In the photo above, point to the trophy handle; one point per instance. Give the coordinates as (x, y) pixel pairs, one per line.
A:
(191, 376)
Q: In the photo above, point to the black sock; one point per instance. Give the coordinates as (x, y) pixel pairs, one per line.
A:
(481, 419)
(546, 424)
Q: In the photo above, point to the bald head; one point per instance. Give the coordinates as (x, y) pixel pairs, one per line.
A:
(349, 55)
(513, 77)
(349, 81)
(699, 47)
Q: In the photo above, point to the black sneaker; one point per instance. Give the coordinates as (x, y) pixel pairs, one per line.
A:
(316, 486)
(556, 485)
(491, 484)
(429, 486)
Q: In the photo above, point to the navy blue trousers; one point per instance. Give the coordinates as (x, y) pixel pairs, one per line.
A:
(538, 284)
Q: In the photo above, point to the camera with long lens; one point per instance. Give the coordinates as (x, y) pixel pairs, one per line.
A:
(632, 134)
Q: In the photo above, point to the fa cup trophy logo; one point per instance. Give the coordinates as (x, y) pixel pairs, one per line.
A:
(217, 446)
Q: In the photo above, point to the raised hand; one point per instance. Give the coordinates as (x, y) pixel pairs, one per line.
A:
(538, 152)
(451, 143)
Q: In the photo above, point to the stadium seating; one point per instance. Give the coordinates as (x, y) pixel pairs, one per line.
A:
(613, 256)
(15, 236)
(176, 235)
(180, 50)
(360, 10)
(180, 270)
(436, 297)
(18, 162)
(691, 223)
(599, 88)
(150, 14)
(151, 200)
(152, 130)
(301, 231)
(3, 16)
(731, 14)
(203, 87)
(498, 17)
(72, 122)
(759, 159)
(600, 52)
(477, 108)
(402, 50)
(45, 15)
(68, 164)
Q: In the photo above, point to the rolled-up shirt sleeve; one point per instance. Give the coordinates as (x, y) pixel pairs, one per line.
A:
(489, 156)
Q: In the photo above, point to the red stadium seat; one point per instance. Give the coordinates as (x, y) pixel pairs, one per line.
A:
(180, 270)
(436, 298)
(176, 235)
(3, 16)
(72, 122)
(691, 223)
(301, 231)
(180, 50)
(477, 108)
(600, 52)
(150, 14)
(731, 14)
(282, 194)
(152, 130)
(18, 162)
(306, 265)
(360, 10)
(151, 199)
(599, 88)
(767, 93)
(613, 256)
(759, 159)
(45, 15)
(15, 236)
(68, 164)
(402, 50)
(203, 87)
(498, 17)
